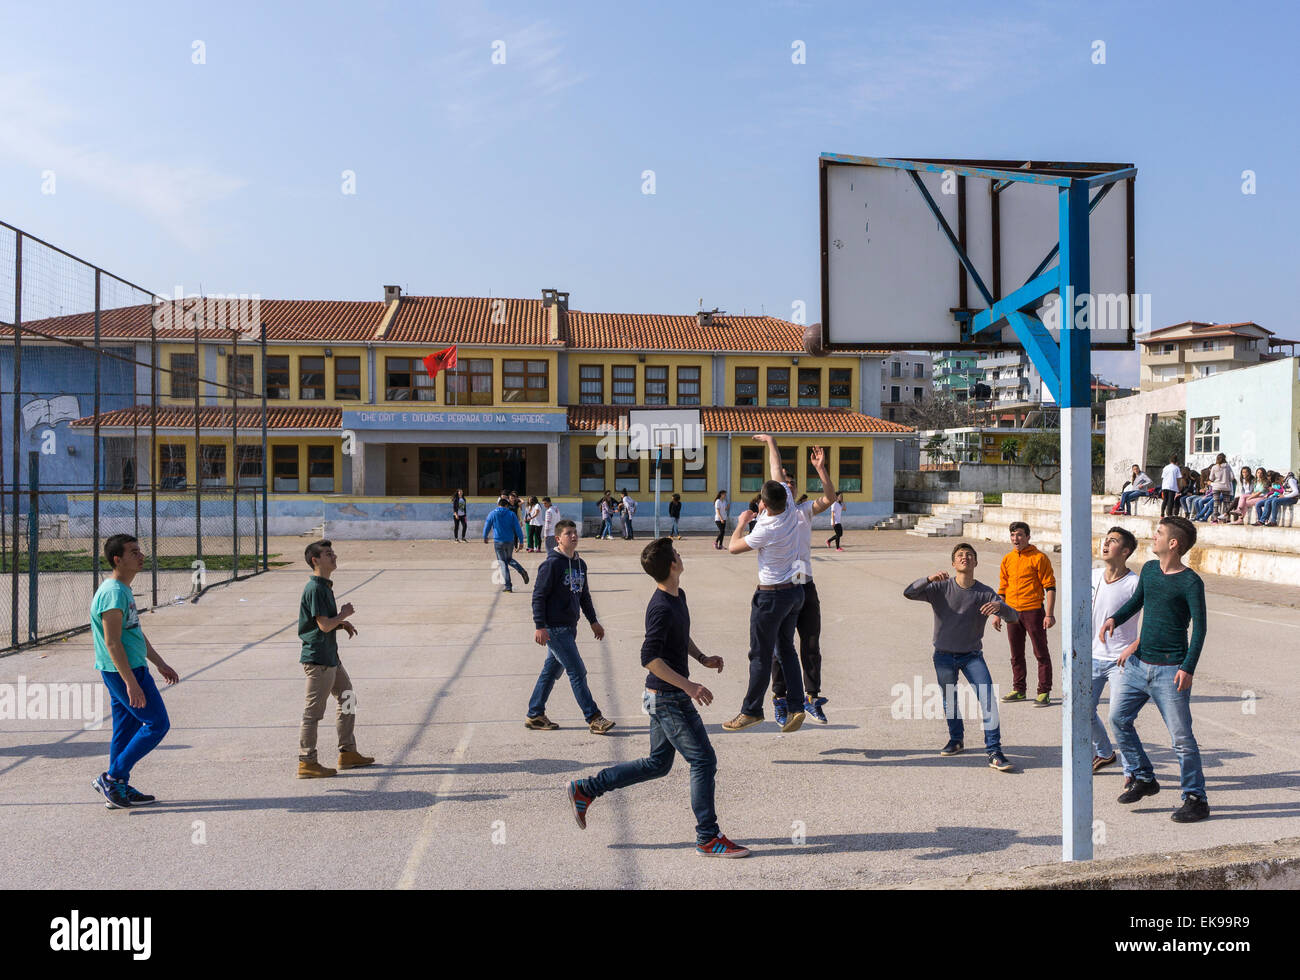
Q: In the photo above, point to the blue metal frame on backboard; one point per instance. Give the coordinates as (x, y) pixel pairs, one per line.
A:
(982, 328)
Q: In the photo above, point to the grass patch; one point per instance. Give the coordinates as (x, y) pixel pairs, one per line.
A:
(993, 498)
(81, 561)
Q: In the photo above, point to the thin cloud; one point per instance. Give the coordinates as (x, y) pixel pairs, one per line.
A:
(35, 127)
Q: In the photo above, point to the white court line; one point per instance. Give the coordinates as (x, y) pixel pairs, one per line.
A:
(425, 836)
(1286, 750)
(1253, 619)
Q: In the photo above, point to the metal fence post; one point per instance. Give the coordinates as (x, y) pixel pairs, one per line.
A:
(266, 459)
(198, 450)
(17, 434)
(94, 559)
(155, 457)
(33, 543)
(232, 379)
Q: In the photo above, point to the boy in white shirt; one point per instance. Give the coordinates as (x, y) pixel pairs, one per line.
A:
(550, 517)
(837, 521)
(1112, 585)
(629, 509)
(774, 610)
(1171, 479)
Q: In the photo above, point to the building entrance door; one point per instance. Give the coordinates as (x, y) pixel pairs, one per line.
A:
(501, 469)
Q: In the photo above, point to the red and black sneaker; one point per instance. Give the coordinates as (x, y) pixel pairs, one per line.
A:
(720, 847)
(580, 802)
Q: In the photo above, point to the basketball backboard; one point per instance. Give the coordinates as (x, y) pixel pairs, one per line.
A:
(891, 278)
(650, 429)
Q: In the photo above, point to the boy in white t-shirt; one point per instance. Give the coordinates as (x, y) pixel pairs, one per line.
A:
(1171, 480)
(550, 517)
(774, 610)
(837, 521)
(1112, 585)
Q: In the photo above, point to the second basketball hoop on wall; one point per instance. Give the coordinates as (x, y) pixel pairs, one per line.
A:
(649, 430)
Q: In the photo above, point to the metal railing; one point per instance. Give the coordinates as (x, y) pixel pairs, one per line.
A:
(86, 452)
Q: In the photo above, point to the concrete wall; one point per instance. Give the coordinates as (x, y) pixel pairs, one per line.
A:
(1257, 410)
(984, 477)
(1127, 424)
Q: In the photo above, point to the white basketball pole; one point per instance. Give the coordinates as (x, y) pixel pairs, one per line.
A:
(659, 456)
(1075, 587)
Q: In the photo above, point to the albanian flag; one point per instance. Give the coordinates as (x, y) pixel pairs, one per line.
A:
(440, 360)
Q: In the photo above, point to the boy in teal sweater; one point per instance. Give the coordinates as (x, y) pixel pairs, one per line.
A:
(1161, 668)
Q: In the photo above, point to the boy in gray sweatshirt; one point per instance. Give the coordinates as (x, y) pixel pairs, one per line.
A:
(961, 606)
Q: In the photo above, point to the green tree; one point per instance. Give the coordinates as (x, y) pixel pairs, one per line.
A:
(1167, 437)
(1042, 454)
(936, 447)
(1010, 449)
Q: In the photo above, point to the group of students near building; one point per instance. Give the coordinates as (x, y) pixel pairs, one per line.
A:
(1156, 663)
(1217, 496)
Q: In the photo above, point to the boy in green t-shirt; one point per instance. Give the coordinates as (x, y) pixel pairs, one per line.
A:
(121, 654)
(318, 618)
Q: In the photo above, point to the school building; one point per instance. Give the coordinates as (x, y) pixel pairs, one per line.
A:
(361, 437)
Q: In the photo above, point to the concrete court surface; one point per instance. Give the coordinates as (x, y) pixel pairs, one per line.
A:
(464, 796)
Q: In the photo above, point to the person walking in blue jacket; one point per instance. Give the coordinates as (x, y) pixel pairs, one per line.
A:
(507, 533)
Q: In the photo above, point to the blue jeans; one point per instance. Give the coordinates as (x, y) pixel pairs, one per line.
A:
(773, 616)
(1205, 508)
(1102, 672)
(1140, 681)
(1266, 510)
(1129, 495)
(606, 528)
(947, 666)
(1191, 503)
(136, 731)
(674, 725)
(674, 531)
(505, 555)
(562, 655)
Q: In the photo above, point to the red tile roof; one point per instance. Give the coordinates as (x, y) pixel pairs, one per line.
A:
(470, 320)
(818, 421)
(441, 320)
(219, 417)
(1199, 329)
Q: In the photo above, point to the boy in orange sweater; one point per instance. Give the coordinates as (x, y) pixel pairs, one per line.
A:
(1026, 584)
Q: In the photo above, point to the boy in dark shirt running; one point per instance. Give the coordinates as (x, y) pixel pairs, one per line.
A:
(318, 621)
(961, 606)
(558, 595)
(674, 722)
(1161, 669)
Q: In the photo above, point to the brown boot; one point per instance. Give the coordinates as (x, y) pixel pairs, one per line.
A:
(351, 759)
(313, 770)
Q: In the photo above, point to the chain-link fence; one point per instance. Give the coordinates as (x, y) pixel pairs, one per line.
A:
(120, 413)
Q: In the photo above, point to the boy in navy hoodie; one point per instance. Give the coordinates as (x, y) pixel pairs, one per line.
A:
(558, 595)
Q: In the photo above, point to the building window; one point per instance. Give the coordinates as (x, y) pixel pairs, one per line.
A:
(917, 394)
(311, 378)
(443, 469)
(895, 369)
(248, 461)
(284, 469)
(277, 377)
(665, 470)
(778, 386)
(591, 384)
(1167, 349)
(239, 374)
(694, 472)
(810, 386)
(320, 469)
(624, 378)
(347, 378)
(591, 469)
(470, 383)
(184, 383)
(524, 381)
(746, 386)
(752, 467)
(812, 483)
(688, 385)
(894, 394)
(916, 372)
(171, 466)
(627, 474)
(1205, 435)
(656, 384)
(850, 477)
(212, 466)
(841, 382)
(406, 380)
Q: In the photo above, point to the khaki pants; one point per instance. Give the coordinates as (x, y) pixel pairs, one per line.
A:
(321, 683)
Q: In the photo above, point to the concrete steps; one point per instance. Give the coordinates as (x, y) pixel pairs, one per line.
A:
(896, 522)
(947, 522)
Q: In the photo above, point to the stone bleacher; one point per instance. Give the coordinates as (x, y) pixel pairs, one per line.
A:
(1264, 554)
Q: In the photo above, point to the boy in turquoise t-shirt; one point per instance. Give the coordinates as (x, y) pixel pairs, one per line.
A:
(121, 651)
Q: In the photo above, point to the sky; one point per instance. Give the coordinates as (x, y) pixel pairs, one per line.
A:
(500, 148)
